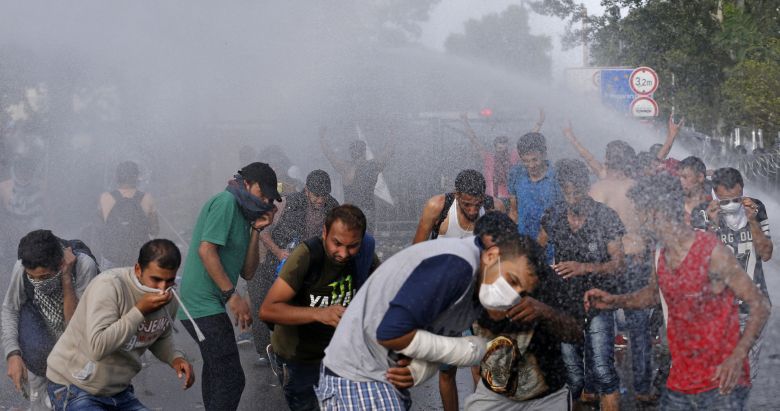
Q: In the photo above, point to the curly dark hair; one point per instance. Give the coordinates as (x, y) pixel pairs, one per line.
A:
(40, 248)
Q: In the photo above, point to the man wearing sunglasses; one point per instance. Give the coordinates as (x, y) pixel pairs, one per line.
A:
(742, 224)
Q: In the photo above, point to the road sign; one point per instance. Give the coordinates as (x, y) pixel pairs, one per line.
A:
(616, 92)
(643, 107)
(643, 81)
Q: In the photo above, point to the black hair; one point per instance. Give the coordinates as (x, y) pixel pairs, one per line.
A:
(357, 150)
(727, 177)
(25, 167)
(656, 148)
(40, 248)
(740, 149)
(521, 245)
(644, 160)
(162, 252)
(351, 216)
(694, 163)
(620, 156)
(572, 171)
(495, 224)
(660, 192)
(530, 143)
(470, 182)
(127, 173)
(501, 140)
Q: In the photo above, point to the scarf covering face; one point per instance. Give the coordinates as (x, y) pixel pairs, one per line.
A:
(49, 297)
(251, 207)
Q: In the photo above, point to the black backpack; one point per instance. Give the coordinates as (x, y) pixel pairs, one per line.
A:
(449, 198)
(78, 246)
(126, 229)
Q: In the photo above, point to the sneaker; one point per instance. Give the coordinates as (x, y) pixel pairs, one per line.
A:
(244, 338)
(645, 398)
(262, 362)
(272, 359)
(620, 341)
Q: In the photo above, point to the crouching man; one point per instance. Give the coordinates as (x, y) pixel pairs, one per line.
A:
(413, 309)
(123, 312)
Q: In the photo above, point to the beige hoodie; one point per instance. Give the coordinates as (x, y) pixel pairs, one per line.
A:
(100, 351)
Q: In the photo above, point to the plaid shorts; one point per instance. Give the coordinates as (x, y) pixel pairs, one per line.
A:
(339, 394)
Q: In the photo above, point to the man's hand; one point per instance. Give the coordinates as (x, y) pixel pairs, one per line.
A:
(17, 371)
(401, 376)
(331, 315)
(183, 367)
(152, 302)
(543, 115)
(240, 309)
(751, 208)
(568, 132)
(265, 220)
(674, 128)
(282, 255)
(713, 211)
(729, 372)
(68, 259)
(598, 299)
(569, 269)
(528, 310)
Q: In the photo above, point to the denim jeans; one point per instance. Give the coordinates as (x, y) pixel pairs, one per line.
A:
(222, 381)
(706, 401)
(638, 270)
(298, 381)
(591, 363)
(73, 398)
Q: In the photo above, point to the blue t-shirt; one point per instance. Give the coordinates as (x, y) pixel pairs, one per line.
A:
(533, 197)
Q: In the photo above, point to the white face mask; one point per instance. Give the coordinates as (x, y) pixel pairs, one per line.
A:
(150, 289)
(498, 296)
(733, 213)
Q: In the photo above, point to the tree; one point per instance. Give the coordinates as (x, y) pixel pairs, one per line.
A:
(504, 40)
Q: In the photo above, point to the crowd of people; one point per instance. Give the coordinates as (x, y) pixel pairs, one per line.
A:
(516, 274)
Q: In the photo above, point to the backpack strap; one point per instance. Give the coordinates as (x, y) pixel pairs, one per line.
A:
(316, 258)
(116, 195)
(449, 198)
(489, 203)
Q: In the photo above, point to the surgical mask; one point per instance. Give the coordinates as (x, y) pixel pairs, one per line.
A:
(49, 286)
(498, 296)
(150, 289)
(733, 214)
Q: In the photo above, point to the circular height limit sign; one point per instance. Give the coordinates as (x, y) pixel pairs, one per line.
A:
(643, 107)
(643, 81)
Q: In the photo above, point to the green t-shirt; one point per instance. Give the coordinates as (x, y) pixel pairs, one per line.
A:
(305, 344)
(220, 222)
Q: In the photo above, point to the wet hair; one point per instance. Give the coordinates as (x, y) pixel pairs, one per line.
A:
(501, 140)
(620, 156)
(694, 163)
(740, 149)
(572, 171)
(127, 173)
(644, 160)
(758, 151)
(357, 150)
(162, 252)
(655, 149)
(521, 245)
(25, 167)
(246, 155)
(470, 182)
(40, 248)
(495, 224)
(351, 216)
(727, 177)
(531, 143)
(660, 192)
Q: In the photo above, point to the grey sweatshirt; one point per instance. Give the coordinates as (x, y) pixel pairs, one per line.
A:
(84, 271)
(100, 351)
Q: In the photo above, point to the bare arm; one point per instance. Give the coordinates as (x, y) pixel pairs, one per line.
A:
(276, 308)
(595, 165)
(542, 116)
(337, 162)
(762, 243)
(563, 327)
(472, 136)
(543, 238)
(69, 298)
(647, 297)
(673, 130)
(430, 214)
(513, 208)
(208, 254)
(252, 259)
(616, 264)
(498, 205)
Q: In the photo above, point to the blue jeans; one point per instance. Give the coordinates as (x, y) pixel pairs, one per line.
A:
(591, 363)
(705, 401)
(638, 271)
(73, 398)
(298, 381)
(222, 380)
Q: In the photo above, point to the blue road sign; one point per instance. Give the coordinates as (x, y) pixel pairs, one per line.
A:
(616, 90)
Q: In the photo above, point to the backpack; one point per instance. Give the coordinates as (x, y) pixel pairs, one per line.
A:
(449, 198)
(78, 246)
(126, 229)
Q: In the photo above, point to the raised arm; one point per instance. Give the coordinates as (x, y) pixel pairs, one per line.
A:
(673, 130)
(464, 118)
(382, 160)
(542, 116)
(593, 164)
(337, 162)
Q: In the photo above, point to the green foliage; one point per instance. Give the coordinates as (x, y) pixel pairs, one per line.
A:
(752, 94)
(504, 40)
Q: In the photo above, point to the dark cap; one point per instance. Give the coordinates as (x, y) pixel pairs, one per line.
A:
(318, 183)
(265, 177)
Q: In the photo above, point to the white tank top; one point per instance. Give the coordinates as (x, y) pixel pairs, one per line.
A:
(453, 228)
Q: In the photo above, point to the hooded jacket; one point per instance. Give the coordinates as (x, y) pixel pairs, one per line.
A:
(100, 351)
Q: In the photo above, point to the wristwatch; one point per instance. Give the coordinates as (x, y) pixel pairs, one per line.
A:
(12, 353)
(227, 294)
